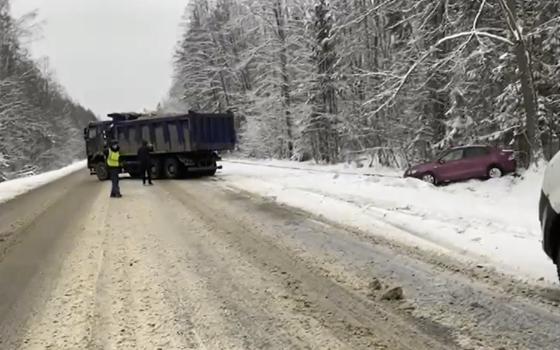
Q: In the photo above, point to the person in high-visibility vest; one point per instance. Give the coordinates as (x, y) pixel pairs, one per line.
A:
(114, 165)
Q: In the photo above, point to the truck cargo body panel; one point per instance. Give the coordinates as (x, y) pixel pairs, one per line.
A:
(189, 133)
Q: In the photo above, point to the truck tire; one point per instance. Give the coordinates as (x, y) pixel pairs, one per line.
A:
(156, 168)
(171, 168)
(102, 171)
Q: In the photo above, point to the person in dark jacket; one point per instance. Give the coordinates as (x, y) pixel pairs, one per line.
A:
(145, 162)
(114, 166)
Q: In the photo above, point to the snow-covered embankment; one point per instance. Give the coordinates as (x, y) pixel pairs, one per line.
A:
(492, 223)
(13, 188)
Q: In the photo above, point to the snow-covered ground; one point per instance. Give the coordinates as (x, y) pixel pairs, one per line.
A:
(13, 188)
(492, 223)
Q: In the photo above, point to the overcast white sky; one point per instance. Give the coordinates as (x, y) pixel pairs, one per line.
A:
(110, 55)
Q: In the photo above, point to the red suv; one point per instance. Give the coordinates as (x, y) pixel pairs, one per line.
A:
(464, 163)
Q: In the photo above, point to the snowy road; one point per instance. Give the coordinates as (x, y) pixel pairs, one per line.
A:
(199, 264)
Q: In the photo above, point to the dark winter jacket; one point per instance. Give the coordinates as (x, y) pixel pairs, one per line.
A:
(144, 156)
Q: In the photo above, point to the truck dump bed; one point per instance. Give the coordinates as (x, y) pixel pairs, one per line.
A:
(191, 132)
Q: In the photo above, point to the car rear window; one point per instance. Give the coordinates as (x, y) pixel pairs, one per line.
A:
(476, 152)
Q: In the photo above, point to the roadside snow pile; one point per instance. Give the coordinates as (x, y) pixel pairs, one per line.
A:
(492, 222)
(341, 168)
(13, 188)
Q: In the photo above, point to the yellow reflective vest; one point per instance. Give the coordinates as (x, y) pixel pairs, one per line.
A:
(113, 159)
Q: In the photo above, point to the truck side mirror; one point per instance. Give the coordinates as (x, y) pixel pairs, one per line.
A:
(86, 133)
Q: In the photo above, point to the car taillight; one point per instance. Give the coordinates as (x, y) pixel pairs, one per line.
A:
(509, 154)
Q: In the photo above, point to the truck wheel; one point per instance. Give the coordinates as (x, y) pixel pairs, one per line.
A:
(156, 168)
(171, 168)
(102, 171)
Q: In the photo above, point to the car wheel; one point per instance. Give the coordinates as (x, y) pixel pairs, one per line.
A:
(429, 178)
(494, 172)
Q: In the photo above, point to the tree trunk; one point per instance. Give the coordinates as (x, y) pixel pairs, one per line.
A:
(279, 13)
(325, 105)
(531, 144)
(438, 100)
(529, 99)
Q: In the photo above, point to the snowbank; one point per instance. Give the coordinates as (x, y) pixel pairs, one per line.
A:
(13, 188)
(341, 168)
(493, 222)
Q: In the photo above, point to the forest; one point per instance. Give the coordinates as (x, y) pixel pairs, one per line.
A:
(40, 126)
(394, 81)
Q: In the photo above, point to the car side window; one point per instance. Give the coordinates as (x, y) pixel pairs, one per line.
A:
(476, 152)
(453, 155)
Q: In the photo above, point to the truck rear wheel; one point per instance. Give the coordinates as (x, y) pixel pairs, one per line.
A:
(102, 171)
(171, 168)
(156, 168)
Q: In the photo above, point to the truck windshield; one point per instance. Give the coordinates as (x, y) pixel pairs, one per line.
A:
(92, 133)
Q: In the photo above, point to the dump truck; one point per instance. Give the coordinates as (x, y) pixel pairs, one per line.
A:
(182, 143)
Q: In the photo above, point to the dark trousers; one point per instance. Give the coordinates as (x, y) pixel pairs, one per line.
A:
(146, 173)
(115, 189)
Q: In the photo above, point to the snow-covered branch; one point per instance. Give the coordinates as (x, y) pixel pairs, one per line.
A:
(475, 33)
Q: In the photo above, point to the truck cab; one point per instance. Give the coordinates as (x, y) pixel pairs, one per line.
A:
(96, 137)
